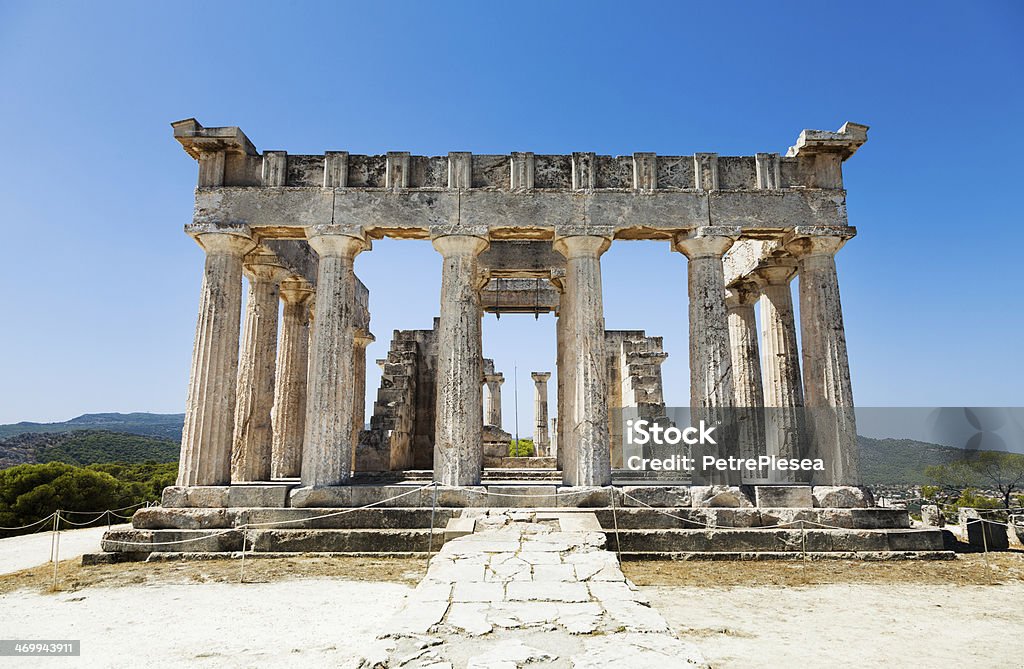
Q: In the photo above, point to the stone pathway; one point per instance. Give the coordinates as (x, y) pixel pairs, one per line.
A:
(528, 588)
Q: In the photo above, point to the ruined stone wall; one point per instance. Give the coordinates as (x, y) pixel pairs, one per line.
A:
(634, 380)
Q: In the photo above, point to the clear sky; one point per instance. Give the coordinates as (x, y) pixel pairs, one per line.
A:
(101, 285)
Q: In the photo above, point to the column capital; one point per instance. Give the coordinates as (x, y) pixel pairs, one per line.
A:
(337, 240)
(742, 294)
(364, 338)
(775, 275)
(582, 245)
(497, 377)
(540, 377)
(460, 245)
(296, 291)
(264, 266)
(231, 239)
(817, 240)
(706, 241)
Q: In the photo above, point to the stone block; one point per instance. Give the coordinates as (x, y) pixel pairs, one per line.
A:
(522, 496)
(932, 516)
(348, 496)
(783, 496)
(240, 496)
(719, 496)
(842, 497)
(662, 496)
(159, 518)
(458, 527)
(984, 533)
(584, 497)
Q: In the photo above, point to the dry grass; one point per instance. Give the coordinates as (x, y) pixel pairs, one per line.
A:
(73, 576)
(966, 569)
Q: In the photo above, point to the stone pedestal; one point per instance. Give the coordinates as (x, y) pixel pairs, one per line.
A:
(253, 443)
(828, 393)
(458, 457)
(328, 450)
(711, 376)
(290, 382)
(541, 439)
(209, 410)
(746, 366)
(783, 387)
(587, 458)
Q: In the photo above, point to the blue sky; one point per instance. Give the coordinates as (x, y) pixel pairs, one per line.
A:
(101, 285)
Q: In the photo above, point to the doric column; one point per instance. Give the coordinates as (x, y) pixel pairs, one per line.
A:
(746, 372)
(828, 393)
(588, 458)
(783, 387)
(563, 364)
(254, 435)
(711, 385)
(493, 410)
(209, 411)
(541, 440)
(458, 445)
(362, 340)
(290, 382)
(327, 447)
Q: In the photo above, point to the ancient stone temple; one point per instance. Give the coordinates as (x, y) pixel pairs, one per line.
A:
(276, 422)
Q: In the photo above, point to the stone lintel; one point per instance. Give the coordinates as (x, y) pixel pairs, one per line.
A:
(528, 215)
(810, 240)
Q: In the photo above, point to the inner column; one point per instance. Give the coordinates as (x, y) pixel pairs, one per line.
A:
(458, 435)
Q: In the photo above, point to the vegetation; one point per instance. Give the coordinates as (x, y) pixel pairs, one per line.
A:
(522, 449)
(86, 447)
(30, 493)
(901, 461)
(955, 482)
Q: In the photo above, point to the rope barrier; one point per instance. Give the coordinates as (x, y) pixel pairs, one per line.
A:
(23, 527)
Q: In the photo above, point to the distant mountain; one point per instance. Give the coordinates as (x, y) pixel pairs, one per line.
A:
(86, 447)
(901, 461)
(165, 426)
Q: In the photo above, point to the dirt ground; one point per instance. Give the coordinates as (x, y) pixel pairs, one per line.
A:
(316, 611)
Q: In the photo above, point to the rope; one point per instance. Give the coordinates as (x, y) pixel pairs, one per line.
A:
(23, 527)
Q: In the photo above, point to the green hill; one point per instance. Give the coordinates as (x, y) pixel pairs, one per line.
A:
(86, 447)
(165, 426)
(901, 461)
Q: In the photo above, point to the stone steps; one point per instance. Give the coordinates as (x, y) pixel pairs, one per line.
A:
(628, 518)
(754, 540)
(760, 556)
(385, 518)
(346, 541)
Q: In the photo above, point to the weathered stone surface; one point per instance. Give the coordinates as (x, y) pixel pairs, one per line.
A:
(828, 391)
(253, 442)
(458, 459)
(842, 497)
(327, 455)
(719, 496)
(206, 437)
(541, 441)
(711, 374)
(588, 445)
(656, 496)
(746, 365)
(784, 496)
(226, 496)
(932, 515)
(984, 531)
(290, 381)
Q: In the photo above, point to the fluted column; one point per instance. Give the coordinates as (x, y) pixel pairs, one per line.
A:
(254, 435)
(362, 340)
(327, 447)
(711, 380)
(588, 460)
(541, 439)
(209, 410)
(746, 365)
(493, 410)
(290, 382)
(563, 365)
(458, 439)
(828, 392)
(783, 387)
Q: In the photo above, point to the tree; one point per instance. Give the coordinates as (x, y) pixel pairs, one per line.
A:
(1002, 471)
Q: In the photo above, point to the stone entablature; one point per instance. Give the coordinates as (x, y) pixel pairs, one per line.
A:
(520, 195)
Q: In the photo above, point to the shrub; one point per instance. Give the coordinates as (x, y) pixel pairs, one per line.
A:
(523, 450)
